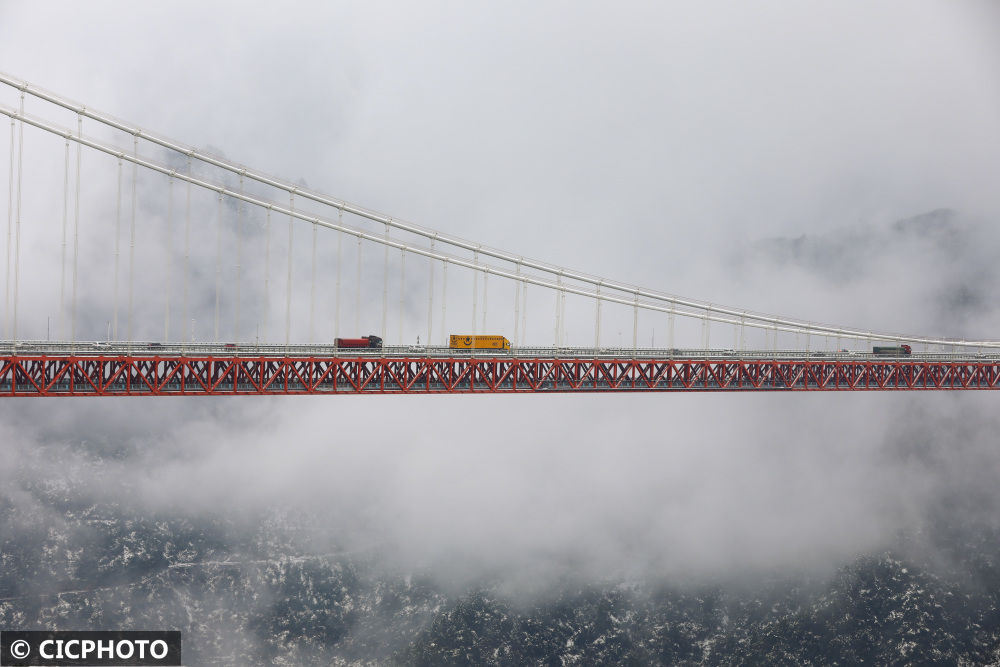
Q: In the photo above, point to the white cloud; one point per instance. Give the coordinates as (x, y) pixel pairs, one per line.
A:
(639, 143)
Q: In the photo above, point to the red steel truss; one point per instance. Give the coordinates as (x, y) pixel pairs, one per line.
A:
(149, 375)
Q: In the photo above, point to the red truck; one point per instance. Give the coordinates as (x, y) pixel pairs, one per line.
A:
(368, 342)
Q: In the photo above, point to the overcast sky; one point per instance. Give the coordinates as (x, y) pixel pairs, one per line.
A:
(646, 142)
(569, 131)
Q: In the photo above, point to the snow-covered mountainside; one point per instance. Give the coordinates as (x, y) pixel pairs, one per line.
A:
(243, 598)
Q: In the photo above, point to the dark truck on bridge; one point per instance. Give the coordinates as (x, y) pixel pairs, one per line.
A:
(369, 342)
(892, 351)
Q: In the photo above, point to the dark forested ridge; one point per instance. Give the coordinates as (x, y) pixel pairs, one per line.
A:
(250, 597)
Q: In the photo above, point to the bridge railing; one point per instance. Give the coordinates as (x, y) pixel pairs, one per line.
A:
(204, 349)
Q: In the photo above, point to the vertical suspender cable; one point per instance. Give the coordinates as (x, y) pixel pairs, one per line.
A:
(430, 298)
(118, 235)
(170, 256)
(670, 328)
(597, 319)
(517, 304)
(76, 225)
(65, 223)
(267, 271)
(524, 311)
(385, 284)
(708, 327)
(240, 212)
(635, 322)
(218, 264)
(402, 285)
(340, 262)
(558, 328)
(131, 247)
(444, 301)
(187, 253)
(704, 331)
(17, 218)
(288, 283)
(475, 290)
(562, 318)
(486, 278)
(312, 290)
(10, 231)
(357, 295)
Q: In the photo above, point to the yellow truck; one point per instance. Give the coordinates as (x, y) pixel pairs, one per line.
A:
(478, 343)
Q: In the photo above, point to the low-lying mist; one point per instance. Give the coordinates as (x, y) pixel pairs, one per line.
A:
(530, 490)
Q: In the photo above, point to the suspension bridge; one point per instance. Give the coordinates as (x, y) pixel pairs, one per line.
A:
(138, 265)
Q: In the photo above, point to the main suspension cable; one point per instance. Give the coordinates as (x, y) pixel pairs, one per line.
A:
(722, 315)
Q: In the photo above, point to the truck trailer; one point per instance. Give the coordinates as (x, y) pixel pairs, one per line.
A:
(892, 351)
(459, 342)
(369, 342)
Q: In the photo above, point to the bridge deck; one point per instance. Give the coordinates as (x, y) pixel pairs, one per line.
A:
(158, 372)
